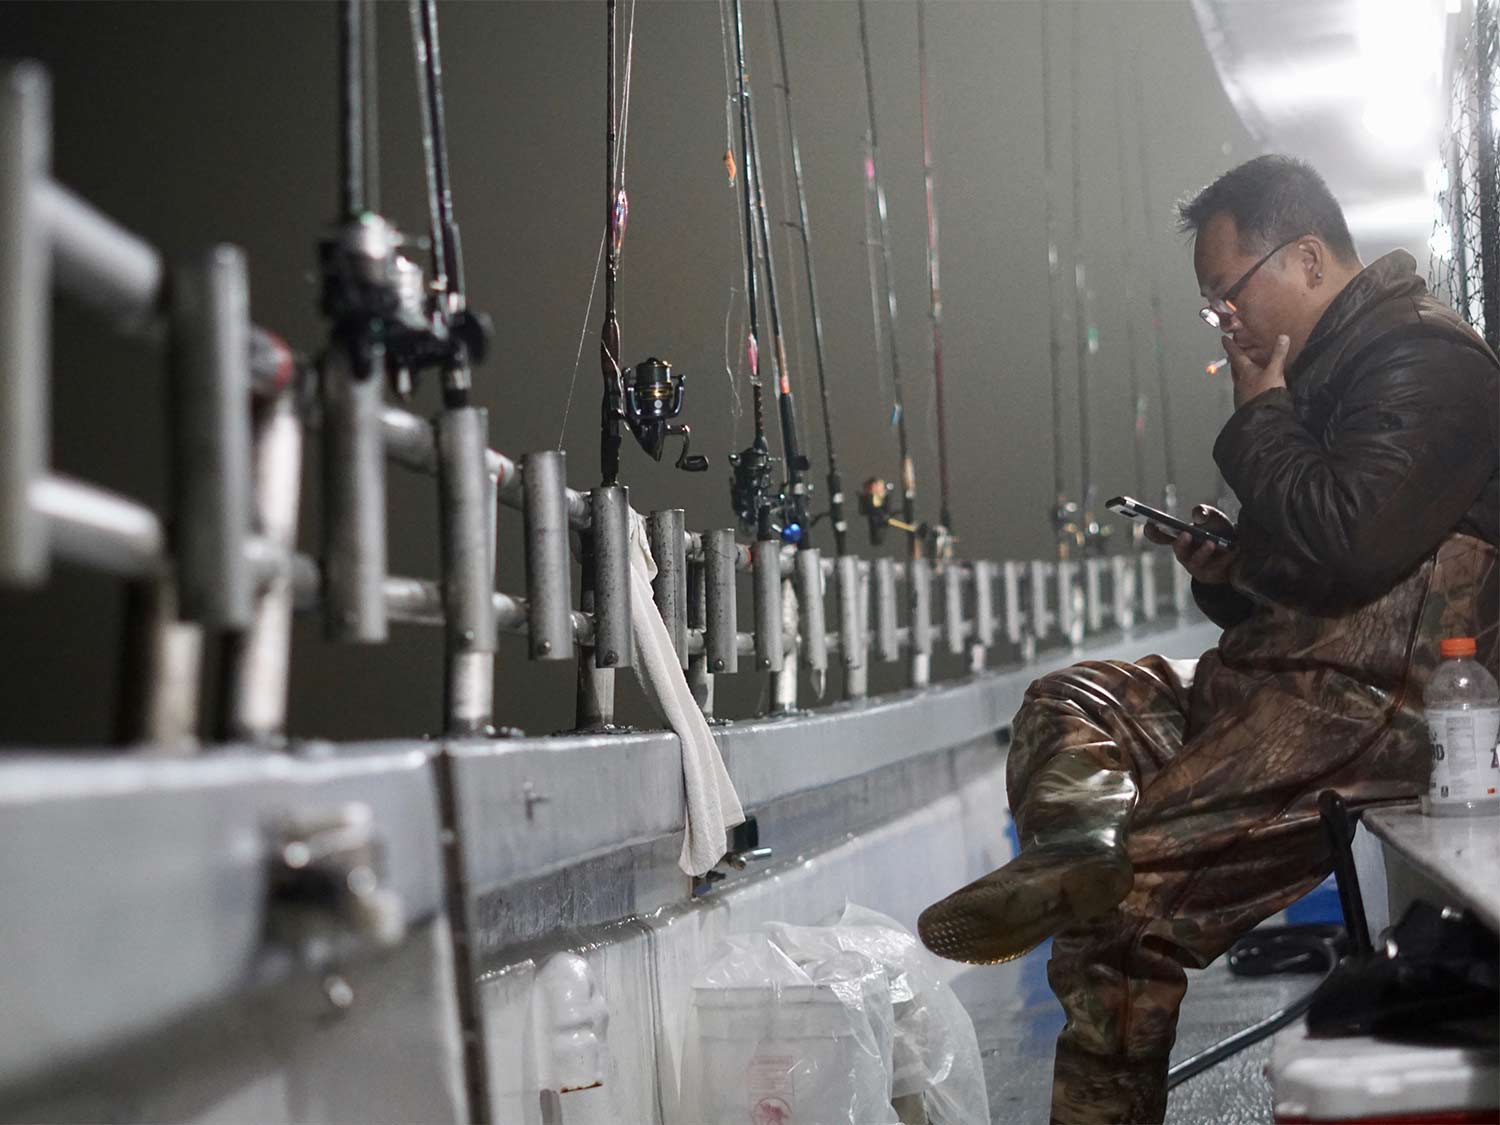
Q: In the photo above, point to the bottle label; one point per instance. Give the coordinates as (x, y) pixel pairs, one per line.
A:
(1465, 766)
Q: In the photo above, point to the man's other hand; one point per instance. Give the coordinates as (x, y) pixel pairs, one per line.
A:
(1204, 560)
(1250, 379)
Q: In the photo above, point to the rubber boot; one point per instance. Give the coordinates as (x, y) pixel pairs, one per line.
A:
(1072, 866)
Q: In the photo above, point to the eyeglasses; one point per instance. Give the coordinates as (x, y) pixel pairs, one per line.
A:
(1217, 313)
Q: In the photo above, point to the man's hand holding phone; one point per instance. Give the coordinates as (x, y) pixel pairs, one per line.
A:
(1203, 559)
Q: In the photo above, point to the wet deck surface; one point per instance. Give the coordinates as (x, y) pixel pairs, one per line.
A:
(1017, 1020)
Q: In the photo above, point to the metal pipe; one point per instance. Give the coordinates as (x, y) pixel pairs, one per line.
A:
(1070, 617)
(766, 574)
(354, 548)
(163, 658)
(465, 561)
(984, 603)
(1093, 577)
(613, 645)
(812, 625)
(98, 529)
(719, 603)
(1122, 589)
(25, 322)
(857, 680)
(209, 415)
(669, 587)
(549, 573)
(887, 647)
(954, 627)
(919, 599)
(1041, 617)
(851, 626)
(112, 270)
(700, 679)
(261, 659)
(1013, 575)
(784, 679)
(1149, 606)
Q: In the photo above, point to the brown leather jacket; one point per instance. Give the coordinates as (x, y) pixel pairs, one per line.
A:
(1385, 442)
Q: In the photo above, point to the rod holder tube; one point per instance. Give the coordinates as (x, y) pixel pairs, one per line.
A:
(766, 574)
(1093, 577)
(700, 679)
(1122, 590)
(1013, 578)
(984, 603)
(666, 531)
(1070, 602)
(1182, 591)
(812, 624)
(209, 414)
(1149, 607)
(851, 625)
(919, 598)
(468, 603)
(258, 679)
(99, 263)
(549, 573)
(857, 678)
(613, 637)
(887, 644)
(354, 548)
(953, 608)
(157, 708)
(720, 626)
(1042, 618)
(25, 322)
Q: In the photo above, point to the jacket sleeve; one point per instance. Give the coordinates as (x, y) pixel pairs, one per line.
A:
(1411, 445)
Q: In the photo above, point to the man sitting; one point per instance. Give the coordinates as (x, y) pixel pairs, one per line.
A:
(1167, 806)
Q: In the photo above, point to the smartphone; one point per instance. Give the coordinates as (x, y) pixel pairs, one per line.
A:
(1135, 510)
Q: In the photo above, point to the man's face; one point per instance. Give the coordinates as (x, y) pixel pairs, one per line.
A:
(1274, 301)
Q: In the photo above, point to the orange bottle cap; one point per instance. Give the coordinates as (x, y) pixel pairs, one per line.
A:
(1451, 647)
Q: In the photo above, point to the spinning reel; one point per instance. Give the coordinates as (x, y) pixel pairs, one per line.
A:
(376, 297)
(760, 505)
(653, 397)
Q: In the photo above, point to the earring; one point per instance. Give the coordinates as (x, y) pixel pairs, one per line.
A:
(1319, 276)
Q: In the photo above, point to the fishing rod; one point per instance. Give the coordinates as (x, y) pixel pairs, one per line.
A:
(752, 492)
(1169, 447)
(795, 520)
(648, 396)
(803, 226)
(1084, 334)
(1137, 399)
(873, 501)
(1064, 511)
(943, 534)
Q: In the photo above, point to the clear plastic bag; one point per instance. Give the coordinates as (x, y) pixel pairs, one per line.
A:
(846, 1024)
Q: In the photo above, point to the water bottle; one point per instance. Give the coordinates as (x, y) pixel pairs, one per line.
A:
(1462, 702)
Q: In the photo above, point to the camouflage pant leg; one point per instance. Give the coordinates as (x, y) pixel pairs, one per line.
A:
(1225, 833)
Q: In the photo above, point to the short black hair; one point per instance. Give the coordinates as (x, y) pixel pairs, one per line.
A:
(1272, 199)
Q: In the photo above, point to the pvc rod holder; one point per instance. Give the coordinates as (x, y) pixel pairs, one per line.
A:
(549, 571)
(1122, 590)
(211, 491)
(812, 624)
(954, 628)
(984, 603)
(1013, 576)
(1093, 577)
(354, 547)
(766, 576)
(99, 263)
(468, 588)
(613, 637)
(1038, 588)
(720, 626)
(1149, 595)
(261, 659)
(887, 645)
(852, 627)
(25, 322)
(665, 532)
(919, 599)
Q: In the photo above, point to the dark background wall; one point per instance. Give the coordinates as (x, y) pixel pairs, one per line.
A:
(194, 123)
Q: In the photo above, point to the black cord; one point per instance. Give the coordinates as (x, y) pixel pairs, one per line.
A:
(1280, 949)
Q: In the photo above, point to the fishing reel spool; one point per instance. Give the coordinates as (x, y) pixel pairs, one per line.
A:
(653, 397)
(762, 508)
(377, 297)
(874, 504)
